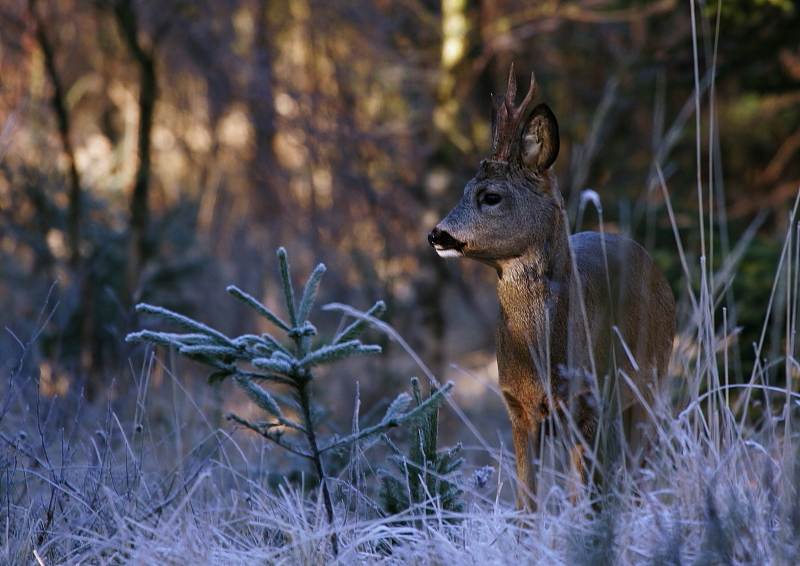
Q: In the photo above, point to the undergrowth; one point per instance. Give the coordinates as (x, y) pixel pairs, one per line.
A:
(718, 487)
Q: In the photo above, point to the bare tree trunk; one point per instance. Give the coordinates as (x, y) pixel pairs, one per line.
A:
(62, 117)
(448, 145)
(81, 327)
(128, 22)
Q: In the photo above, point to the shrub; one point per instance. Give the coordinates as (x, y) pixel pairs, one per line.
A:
(251, 360)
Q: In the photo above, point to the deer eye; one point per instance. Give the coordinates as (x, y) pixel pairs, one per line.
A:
(491, 199)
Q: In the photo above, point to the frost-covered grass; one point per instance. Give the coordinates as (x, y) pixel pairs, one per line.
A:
(165, 486)
(703, 505)
(152, 480)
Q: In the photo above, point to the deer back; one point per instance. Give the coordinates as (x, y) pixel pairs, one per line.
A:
(629, 310)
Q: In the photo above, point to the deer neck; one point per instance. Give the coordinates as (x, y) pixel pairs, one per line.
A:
(535, 285)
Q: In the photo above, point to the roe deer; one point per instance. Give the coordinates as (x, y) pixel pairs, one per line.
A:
(589, 304)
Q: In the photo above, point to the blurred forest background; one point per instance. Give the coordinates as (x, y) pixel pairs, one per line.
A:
(159, 151)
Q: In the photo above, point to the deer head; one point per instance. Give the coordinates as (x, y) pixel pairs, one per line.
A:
(512, 205)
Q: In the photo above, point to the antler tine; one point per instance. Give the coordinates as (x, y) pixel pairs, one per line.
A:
(532, 89)
(511, 90)
(506, 117)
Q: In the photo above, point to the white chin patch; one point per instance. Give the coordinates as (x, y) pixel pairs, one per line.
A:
(448, 253)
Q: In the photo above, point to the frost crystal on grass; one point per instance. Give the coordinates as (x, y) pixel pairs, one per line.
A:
(481, 477)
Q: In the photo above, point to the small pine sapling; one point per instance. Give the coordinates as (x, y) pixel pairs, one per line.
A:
(252, 360)
(425, 475)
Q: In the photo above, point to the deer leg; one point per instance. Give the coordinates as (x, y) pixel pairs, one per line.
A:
(526, 447)
(635, 419)
(578, 476)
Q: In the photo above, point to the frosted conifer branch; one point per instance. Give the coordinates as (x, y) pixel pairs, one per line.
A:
(288, 290)
(194, 339)
(260, 346)
(306, 329)
(258, 307)
(158, 338)
(398, 406)
(394, 417)
(183, 339)
(222, 352)
(358, 327)
(430, 432)
(260, 397)
(336, 352)
(425, 473)
(433, 402)
(274, 344)
(274, 364)
(310, 292)
(271, 377)
(391, 446)
(261, 351)
(248, 341)
(271, 432)
(291, 365)
(183, 321)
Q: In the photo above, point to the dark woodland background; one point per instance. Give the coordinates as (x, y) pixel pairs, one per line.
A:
(160, 151)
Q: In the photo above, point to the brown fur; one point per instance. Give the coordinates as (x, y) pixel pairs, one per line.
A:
(560, 298)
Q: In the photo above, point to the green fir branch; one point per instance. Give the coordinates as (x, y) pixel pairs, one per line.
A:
(310, 292)
(272, 433)
(393, 418)
(269, 377)
(288, 290)
(276, 364)
(334, 353)
(183, 321)
(259, 396)
(357, 328)
(424, 473)
(258, 307)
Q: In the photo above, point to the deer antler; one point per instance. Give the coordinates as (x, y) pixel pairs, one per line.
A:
(506, 118)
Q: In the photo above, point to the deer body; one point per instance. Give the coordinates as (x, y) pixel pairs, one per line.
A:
(586, 304)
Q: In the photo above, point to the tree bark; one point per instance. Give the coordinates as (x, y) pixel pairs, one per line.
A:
(62, 118)
(128, 22)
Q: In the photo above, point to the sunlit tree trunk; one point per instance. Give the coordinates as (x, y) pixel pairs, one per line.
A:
(456, 28)
(449, 144)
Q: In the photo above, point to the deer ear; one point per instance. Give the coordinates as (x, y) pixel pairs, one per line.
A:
(540, 141)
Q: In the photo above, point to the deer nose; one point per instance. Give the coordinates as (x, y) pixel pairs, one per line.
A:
(442, 240)
(435, 237)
